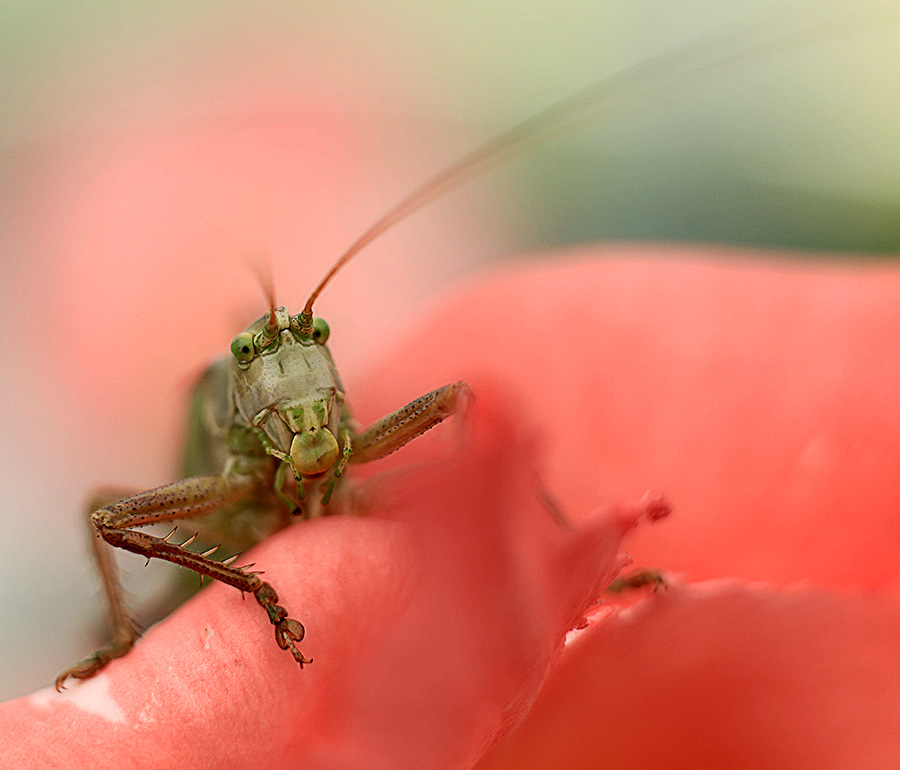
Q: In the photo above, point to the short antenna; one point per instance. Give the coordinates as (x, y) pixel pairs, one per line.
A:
(262, 269)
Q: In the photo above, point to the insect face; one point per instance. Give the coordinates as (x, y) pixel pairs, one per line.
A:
(284, 382)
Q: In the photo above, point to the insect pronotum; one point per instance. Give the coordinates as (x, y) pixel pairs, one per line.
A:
(270, 433)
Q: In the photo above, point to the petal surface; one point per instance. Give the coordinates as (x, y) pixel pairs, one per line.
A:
(722, 675)
(759, 396)
(440, 612)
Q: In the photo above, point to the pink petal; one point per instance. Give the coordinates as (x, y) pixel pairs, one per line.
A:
(431, 630)
(723, 676)
(761, 397)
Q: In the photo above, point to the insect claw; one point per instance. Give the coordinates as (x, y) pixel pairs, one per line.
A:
(147, 562)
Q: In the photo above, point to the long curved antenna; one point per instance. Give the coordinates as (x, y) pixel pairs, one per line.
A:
(651, 75)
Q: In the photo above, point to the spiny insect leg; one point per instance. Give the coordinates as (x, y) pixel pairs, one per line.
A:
(183, 499)
(288, 632)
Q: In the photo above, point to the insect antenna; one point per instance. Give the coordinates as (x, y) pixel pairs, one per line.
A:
(629, 87)
(262, 269)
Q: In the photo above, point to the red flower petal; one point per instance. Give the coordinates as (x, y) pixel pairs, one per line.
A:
(760, 397)
(443, 620)
(763, 400)
(723, 676)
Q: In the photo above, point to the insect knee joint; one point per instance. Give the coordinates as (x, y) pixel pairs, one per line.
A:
(101, 519)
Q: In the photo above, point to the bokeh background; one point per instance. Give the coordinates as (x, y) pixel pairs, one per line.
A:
(149, 154)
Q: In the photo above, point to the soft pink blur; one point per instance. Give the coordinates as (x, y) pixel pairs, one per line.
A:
(745, 392)
(431, 626)
(761, 397)
(723, 675)
(133, 261)
(147, 240)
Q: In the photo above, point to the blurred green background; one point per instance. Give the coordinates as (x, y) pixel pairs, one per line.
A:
(796, 149)
(793, 150)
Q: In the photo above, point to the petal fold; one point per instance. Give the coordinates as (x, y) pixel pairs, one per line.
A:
(722, 675)
(440, 612)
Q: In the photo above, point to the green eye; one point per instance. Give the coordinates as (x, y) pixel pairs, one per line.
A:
(320, 330)
(242, 347)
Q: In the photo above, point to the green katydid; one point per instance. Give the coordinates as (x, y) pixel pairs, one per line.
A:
(270, 433)
(275, 436)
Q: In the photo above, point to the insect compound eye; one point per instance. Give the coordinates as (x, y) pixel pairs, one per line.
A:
(242, 348)
(320, 331)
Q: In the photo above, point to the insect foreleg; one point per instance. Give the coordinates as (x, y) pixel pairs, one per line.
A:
(399, 428)
(188, 498)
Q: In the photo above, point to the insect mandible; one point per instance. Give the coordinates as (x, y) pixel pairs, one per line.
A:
(270, 432)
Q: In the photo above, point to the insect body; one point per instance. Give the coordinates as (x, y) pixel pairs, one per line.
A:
(270, 437)
(270, 434)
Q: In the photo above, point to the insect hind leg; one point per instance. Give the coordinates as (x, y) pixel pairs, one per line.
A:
(183, 499)
(123, 631)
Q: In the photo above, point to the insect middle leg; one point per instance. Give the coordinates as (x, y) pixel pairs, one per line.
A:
(188, 498)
